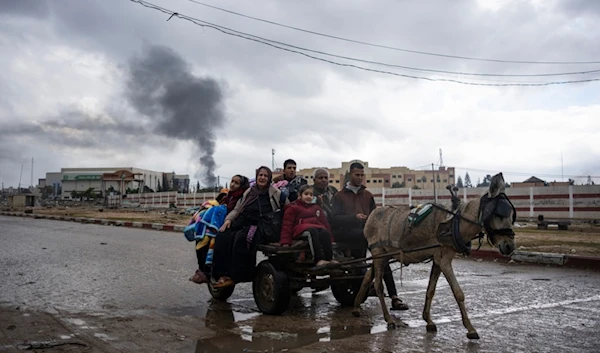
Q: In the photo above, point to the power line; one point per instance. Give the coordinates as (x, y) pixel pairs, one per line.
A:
(409, 67)
(389, 47)
(265, 41)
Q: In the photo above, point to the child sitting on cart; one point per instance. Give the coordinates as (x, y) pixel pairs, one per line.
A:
(303, 215)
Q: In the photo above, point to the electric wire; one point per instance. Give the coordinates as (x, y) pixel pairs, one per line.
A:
(389, 47)
(268, 42)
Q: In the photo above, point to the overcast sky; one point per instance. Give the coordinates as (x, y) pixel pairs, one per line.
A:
(102, 83)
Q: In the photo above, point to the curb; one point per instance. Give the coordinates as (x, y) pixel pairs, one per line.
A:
(577, 261)
(105, 222)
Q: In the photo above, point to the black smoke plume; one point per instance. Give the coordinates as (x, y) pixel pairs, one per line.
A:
(161, 86)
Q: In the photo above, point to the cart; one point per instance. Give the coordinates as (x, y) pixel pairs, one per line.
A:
(286, 270)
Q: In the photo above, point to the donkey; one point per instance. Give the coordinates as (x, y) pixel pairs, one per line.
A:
(438, 236)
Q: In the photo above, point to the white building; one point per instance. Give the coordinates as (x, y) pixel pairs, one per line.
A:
(101, 180)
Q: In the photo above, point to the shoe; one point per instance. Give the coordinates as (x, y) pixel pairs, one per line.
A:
(199, 277)
(397, 304)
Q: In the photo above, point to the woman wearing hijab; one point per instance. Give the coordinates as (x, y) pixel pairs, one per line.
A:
(238, 185)
(235, 248)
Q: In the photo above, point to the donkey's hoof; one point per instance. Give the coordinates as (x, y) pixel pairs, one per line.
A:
(431, 328)
(473, 335)
(391, 326)
(355, 313)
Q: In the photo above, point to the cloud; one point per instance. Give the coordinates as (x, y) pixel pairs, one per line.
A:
(70, 91)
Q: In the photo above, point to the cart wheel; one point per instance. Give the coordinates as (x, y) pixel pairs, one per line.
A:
(221, 294)
(345, 292)
(271, 289)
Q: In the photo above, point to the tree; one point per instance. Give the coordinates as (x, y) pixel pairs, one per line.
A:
(398, 185)
(416, 187)
(468, 181)
(158, 187)
(46, 191)
(459, 182)
(197, 186)
(571, 182)
(487, 180)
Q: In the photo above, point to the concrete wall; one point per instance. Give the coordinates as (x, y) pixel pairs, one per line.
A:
(560, 202)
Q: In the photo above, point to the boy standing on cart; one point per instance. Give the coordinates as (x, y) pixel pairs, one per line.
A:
(351, 207)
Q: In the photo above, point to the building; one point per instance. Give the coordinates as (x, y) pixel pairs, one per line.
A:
(105, 180)
(54, 180)
(401, 177)
(21, 200)
(181, 183)
(530, 182)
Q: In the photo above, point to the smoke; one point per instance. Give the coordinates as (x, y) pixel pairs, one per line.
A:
(161, 86)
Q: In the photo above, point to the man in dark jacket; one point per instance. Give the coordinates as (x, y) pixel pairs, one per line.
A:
(350, 209)
(323, 191)
(294, 181)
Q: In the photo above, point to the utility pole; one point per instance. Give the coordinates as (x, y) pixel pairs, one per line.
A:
(272, 159)
(20, 176)
(31, 172)
(562, 169)
(434, 189)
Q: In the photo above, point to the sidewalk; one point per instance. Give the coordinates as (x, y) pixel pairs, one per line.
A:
(567, 260)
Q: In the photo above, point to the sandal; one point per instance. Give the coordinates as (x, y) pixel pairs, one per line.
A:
(397, 304)
(223, 282)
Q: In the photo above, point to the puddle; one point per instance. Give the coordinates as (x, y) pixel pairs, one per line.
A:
(186, 311)
(215, 314)
(247, 340)
(77, 322)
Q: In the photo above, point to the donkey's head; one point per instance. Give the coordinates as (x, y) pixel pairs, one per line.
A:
(497, 214)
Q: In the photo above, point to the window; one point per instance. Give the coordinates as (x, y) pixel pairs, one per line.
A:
(394, 176)
(418, 181)
(451, 176)
(432, 180)
(387, 180)
(445, 180)
(331, 181)
(409, 179)
(368, 181)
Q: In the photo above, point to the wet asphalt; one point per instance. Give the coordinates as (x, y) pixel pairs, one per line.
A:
(53, 265)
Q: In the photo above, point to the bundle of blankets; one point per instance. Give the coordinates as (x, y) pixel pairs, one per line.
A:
(204, 226)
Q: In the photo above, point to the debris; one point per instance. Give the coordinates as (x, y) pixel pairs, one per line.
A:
(45, 345)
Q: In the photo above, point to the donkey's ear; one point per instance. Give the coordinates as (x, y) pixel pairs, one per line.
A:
(497, 185)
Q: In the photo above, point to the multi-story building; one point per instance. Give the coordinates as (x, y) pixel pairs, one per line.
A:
(387, 177)
(181, 183)
(103, 180)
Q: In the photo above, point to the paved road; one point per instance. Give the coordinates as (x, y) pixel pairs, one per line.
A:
(130, 287)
